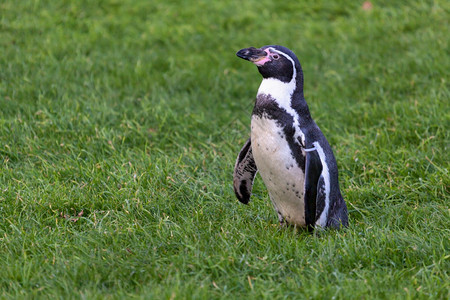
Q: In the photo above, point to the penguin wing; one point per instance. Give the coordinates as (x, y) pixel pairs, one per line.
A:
(313, 171)
(244, 173)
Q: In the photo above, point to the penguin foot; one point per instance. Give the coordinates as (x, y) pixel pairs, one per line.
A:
(282, 221)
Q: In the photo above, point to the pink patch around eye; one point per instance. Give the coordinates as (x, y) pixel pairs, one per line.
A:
(262, 61)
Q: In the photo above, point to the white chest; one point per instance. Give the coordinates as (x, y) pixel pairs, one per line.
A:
(282, 176)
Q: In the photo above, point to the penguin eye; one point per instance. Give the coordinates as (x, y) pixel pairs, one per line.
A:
(276, 56)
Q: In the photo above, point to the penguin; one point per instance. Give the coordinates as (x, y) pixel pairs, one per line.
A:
(287, 147)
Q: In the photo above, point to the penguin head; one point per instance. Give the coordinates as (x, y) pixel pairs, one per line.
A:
(273, 61)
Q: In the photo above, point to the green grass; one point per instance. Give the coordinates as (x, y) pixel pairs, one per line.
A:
(120, 122)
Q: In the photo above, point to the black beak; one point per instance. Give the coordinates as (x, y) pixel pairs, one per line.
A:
(252, 54)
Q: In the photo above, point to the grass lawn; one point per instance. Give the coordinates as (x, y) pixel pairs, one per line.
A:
(120, 122)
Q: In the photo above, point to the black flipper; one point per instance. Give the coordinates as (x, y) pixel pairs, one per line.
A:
(313, 170)
(244, 173)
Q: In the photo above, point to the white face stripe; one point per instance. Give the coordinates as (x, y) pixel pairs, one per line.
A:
(322, 220)
(288, 57)
(282, 92)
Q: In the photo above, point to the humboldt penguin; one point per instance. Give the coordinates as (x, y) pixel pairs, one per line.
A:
(287, 147)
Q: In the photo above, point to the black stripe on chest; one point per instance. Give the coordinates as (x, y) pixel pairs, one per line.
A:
(267, 107)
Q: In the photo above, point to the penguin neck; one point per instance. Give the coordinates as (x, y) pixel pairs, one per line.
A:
(288, 95)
